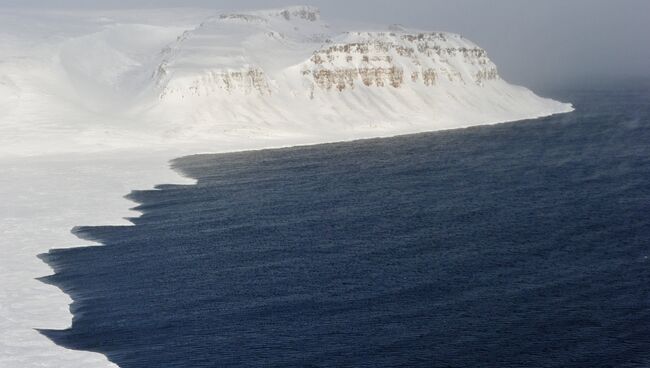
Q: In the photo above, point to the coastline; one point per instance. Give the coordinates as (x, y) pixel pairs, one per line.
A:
(46, 196)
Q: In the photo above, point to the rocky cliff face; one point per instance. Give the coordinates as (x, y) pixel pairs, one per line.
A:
(210, 83)
(308, 13)
(366, 60)
(304, 13)
(230, 53)
(311, 52)
(393, 59)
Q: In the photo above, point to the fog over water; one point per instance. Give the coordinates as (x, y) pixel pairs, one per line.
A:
(535, 43)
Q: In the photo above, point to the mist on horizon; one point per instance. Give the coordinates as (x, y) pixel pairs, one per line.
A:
(539, 44)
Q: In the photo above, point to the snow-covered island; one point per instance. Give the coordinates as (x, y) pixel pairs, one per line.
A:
(87, 83)
(93, 104)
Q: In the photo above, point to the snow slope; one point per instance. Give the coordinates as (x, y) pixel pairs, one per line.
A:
(93, 104)
(99, 82)
(286, 71)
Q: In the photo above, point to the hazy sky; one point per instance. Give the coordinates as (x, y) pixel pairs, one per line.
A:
(534, 42)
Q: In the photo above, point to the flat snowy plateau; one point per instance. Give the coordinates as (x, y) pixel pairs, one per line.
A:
(94, 104)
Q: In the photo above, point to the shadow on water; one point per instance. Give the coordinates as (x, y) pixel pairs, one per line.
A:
(513, 245)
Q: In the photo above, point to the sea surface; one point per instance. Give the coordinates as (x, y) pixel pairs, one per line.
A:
(517, 245)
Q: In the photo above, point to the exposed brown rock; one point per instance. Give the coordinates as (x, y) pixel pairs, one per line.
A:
(246, 81)
(376, 62)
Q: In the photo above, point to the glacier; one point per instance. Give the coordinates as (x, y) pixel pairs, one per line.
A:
(94, 103)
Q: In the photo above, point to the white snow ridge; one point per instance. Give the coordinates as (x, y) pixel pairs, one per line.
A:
(94, 103)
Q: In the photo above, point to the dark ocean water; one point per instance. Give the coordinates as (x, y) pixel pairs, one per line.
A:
(516, 245)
